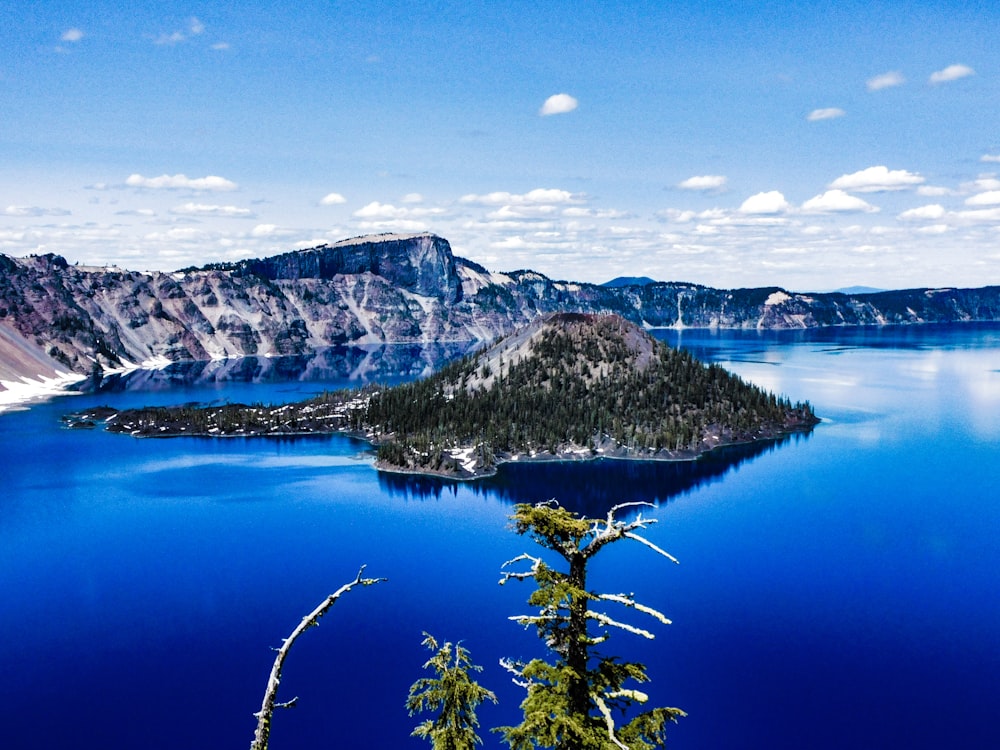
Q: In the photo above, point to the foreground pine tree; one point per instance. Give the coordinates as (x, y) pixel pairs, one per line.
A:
(453, 694)
(576, 696)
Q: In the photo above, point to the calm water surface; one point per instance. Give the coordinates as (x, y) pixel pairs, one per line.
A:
(836, 590)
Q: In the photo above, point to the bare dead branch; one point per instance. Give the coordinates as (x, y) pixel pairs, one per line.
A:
(608, 720)
(643, 540)
(628, 601)
(603, 619)
(263, 732)
(520, 576)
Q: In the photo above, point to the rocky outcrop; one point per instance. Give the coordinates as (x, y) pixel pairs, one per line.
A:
(422, 264)
(371, 290)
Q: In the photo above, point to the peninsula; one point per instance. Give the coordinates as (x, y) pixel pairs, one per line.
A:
(567, 386)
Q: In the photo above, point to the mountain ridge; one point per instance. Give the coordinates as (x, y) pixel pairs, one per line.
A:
(374, 289)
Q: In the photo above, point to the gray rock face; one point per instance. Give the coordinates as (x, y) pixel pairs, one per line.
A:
(421, 263)
(373, 290)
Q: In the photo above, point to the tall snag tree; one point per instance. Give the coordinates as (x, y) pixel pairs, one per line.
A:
(574, 699)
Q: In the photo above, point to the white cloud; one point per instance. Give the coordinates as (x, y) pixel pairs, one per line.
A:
(167, 39)
(578, 212)
(398, 225)
(983, 183)
(536, 196)
(931, 211)
(951, 73)
(522, 211)
(934, 229)
(876, 180)
(703, 182)
(885, 81)
(837, 201)
(413, 198)
(72, 35)
(194, 28)
(990, 158)
(829, 113)
(376, 210)
(179, 234)
(332, 199)
(34, 211)
(180, 181)
(220, 46)
(771, 202)
(202, 209)
(989, 198)
(265, 230)
(981, 214)
(933, 191)
(558, 104)
(676, 215)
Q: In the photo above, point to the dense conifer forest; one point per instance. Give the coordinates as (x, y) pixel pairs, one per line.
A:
(571, 385)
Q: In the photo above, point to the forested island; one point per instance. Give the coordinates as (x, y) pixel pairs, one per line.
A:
(567, 386)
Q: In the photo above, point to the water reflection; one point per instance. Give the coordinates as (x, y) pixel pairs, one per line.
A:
(590, 487)
(710, 344)
(358, 364)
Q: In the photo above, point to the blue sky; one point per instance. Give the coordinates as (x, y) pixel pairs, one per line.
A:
(805, 145)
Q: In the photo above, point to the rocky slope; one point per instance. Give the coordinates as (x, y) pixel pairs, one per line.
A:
(382, 288)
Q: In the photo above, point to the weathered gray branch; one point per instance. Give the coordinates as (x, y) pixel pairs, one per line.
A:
(263, 732)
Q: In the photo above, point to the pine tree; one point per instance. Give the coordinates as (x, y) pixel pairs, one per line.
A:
(574, 697)
(453, 694)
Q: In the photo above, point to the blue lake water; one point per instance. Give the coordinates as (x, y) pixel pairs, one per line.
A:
(836, 590)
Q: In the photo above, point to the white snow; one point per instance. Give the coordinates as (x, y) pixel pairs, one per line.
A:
(464, 457)
(16, 393)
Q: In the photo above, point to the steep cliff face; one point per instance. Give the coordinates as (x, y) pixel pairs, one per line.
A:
(374, 289)
(422, 264)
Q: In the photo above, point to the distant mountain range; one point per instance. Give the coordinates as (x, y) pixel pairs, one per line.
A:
(55, 316)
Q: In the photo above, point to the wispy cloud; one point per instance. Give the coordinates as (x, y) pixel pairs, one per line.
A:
(837, 201)
(704, 182)
(994, 158)
(34, 211)
(212, 183)
(558, 104)
(72, 35)
(951, 73)
(202, 209)
(332, 199)
(877, 180)
(829, 113)
(981, 184)
(885, 81)
(194, 28)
